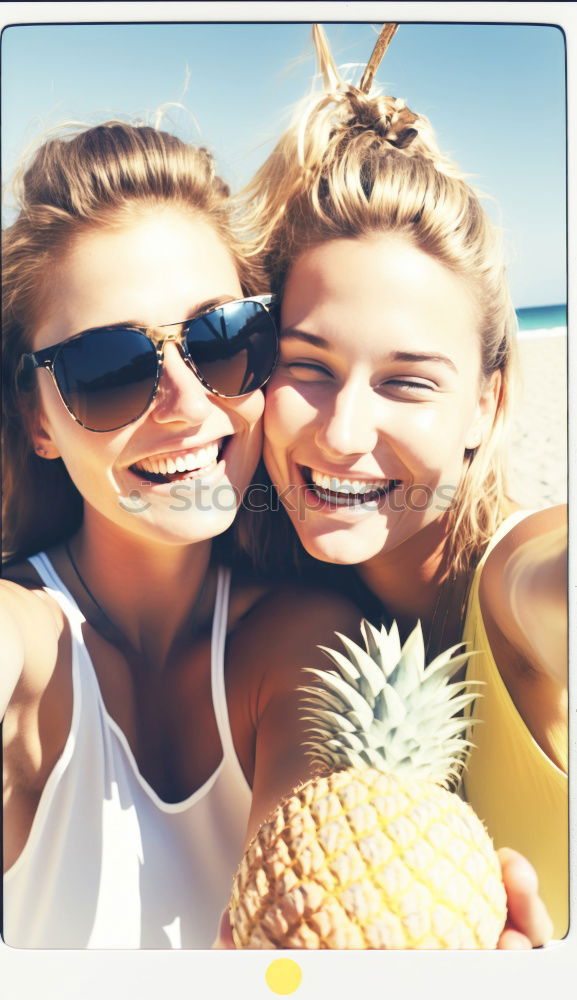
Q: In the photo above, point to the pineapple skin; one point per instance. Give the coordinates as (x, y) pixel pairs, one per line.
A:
(369, 860)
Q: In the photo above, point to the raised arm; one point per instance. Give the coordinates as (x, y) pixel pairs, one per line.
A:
(524, 588)
(535, 577)
(280, 641)
(275, 644)
(12, 645)
(523, 596)
(34, 726)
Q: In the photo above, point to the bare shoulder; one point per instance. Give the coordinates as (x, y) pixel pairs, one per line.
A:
(283, 629)
(535, 538)
(523, 590)
(24, 598)
(552, 521)
(298, 611)
(32, 624)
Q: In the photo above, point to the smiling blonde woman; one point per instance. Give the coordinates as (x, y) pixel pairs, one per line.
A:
(385, 423)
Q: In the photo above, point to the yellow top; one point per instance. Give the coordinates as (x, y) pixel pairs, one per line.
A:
(513, 786)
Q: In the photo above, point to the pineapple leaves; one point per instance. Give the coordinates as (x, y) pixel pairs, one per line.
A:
(411, 664)
(368, 670)
(371, 636)
(394, 708)
(383, 707)
(335, 721)
(345, 666)
(349, 696)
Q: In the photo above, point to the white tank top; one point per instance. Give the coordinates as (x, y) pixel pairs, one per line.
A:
(107, 863)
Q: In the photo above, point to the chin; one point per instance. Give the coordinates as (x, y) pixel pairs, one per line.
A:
(340, 547)
(181, 527)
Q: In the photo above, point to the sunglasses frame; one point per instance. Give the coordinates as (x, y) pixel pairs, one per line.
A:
(46, 357)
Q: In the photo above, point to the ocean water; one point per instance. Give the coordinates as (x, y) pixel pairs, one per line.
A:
(542, 321)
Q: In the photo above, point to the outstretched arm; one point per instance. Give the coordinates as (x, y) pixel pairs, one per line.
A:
(523, 598)
(281, 763)
(524, 589)
(535, 579)
(280, 640)
(12, 649)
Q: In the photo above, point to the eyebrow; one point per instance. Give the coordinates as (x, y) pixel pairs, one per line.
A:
(409, 356)
(198, 310)
(310, 338)
(441, 359)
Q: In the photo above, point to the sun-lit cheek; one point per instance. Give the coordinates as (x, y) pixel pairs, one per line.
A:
(431, 428)
(249, 409)
(276, 452)
(256, 403)
(288, 412)
(273, 415)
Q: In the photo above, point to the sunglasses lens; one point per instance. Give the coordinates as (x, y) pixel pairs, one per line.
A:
(233, 347)
(107, 378)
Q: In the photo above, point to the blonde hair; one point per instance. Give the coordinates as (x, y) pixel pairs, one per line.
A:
(98, 177)
(353, 164)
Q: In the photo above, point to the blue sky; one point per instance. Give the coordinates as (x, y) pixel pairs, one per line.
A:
(495, 94)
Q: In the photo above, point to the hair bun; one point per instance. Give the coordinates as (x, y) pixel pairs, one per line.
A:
(387, 117)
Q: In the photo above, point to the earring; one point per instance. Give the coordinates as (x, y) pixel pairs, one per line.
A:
(40, 451)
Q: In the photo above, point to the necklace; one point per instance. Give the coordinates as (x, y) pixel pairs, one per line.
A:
(375, 610)
(453, 592)
(431, 645)
(109, 629)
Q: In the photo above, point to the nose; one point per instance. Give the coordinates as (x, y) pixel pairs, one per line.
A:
(181, 396)
(349, 427)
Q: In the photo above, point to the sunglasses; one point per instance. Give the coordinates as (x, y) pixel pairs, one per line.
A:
(108, 377)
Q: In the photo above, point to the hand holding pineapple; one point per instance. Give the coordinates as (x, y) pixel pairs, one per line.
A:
(375, 853)
(528, 922)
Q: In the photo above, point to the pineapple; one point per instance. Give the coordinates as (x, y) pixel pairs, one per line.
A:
(377, 851)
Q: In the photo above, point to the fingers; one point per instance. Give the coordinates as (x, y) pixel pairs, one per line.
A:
(224, 939)
(527, 914)
(511, 940)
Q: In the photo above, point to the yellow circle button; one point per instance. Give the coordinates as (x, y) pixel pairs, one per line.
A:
(283, 976)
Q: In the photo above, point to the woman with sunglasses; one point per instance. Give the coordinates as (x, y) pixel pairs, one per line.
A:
(383, 425)
(133, 370)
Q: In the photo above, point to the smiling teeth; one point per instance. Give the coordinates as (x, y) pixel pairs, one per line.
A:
(193, 461)
(347, 486)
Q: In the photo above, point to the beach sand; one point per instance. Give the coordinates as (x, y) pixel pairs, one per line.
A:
(538, 462)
